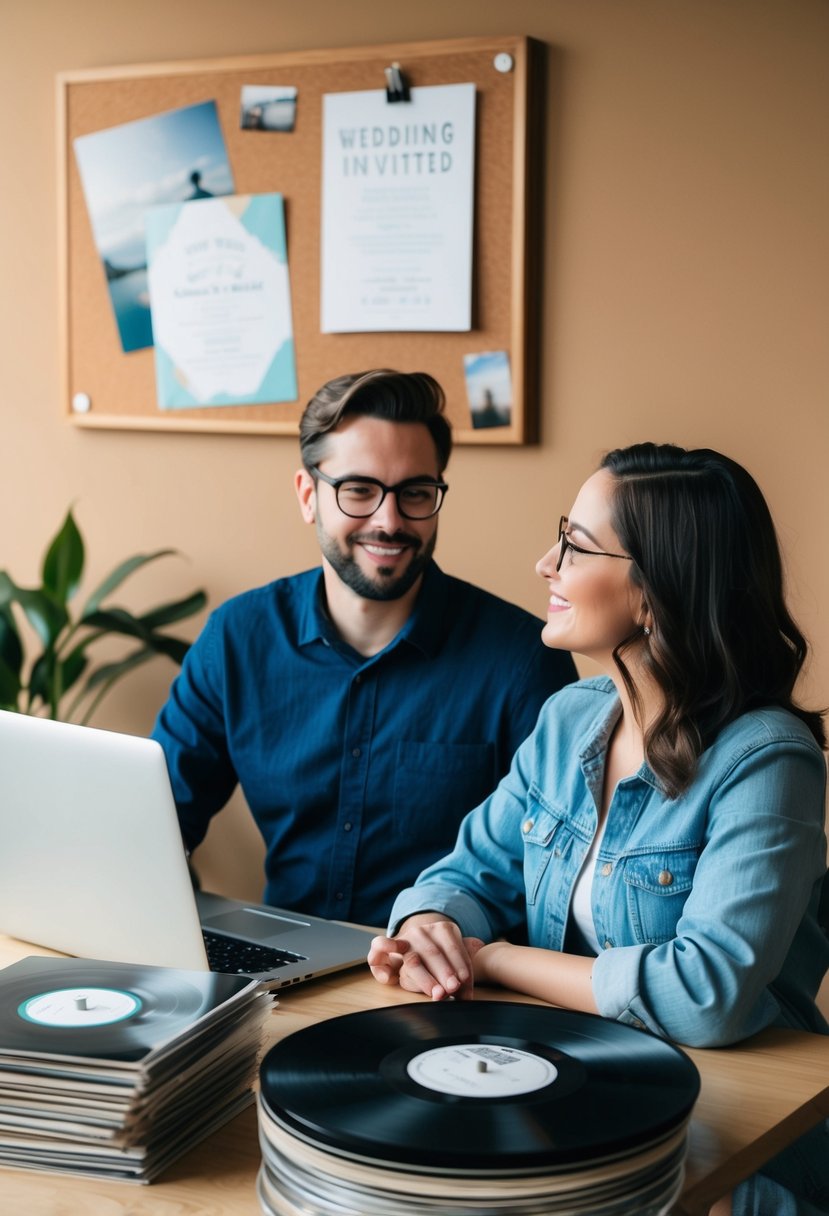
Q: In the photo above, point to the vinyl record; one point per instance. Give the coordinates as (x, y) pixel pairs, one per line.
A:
(490, 1087)
(91, 1010)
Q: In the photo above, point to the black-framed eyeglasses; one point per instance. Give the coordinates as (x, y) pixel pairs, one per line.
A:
(565, 543)
(359, 497)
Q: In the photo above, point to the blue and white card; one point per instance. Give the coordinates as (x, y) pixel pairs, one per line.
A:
(221, 302)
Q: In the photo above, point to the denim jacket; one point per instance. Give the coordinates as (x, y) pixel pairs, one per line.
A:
(705, 904)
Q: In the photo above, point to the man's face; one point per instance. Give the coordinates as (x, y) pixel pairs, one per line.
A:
(382, 556)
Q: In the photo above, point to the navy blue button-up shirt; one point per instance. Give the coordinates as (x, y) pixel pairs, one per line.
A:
(357, 770)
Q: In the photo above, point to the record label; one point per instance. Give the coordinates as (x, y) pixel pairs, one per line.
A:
(481, 1070)
(80, 1007)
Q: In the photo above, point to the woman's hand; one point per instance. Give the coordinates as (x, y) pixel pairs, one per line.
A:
(428, 955)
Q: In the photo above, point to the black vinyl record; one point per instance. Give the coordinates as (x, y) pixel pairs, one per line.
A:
(484, 1086)
(125, 1010)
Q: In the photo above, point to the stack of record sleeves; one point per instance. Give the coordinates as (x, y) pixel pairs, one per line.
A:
(115, 1070)
(473, 1107)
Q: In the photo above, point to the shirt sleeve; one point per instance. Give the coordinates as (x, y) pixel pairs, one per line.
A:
(758, 871)
(191, 730)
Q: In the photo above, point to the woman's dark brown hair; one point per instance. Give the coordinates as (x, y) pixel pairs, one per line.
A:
(706, 556)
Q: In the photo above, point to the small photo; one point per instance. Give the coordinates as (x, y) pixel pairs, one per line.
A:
(268, 107)
(171, 157)
(489, 388)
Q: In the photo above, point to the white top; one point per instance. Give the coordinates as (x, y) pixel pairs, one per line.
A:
(580, 904)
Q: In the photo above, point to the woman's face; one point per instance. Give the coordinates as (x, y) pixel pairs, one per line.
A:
(593, 602)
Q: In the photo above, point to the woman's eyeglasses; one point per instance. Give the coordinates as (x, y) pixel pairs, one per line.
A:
(565, 543)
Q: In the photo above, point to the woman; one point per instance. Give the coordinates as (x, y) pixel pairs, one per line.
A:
(659, 840)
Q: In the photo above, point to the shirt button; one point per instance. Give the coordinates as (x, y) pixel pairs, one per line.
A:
(607, 868)
(608, 945)
(358, 679)
(527, 826)
(339, 895)
(356, 753)
(346, 827)
(665, 878)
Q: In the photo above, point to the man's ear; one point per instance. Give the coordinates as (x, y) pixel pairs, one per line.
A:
(306, 492)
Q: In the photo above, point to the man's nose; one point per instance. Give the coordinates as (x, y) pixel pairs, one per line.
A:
(387, 516)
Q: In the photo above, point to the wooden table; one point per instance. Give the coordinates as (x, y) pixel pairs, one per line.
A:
(756, 1098)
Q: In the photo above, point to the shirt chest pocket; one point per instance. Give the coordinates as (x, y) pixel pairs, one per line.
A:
(435, 784)
(657, 885)
(540, 832)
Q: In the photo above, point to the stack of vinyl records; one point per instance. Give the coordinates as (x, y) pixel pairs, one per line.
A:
(115, 1070)
(473, 1107)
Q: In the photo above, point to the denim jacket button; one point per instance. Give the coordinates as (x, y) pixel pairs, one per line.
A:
(607, 868)
(608, 945)
(665, 878)
(527, 826)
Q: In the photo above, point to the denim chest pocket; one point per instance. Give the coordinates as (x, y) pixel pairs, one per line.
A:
(539, 832)
(435, 784)
(657, 885)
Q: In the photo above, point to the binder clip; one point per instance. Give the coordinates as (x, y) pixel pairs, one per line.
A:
(397, 88)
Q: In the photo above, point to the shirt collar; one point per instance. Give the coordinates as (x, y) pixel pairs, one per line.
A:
(599, 737)
(424, 629)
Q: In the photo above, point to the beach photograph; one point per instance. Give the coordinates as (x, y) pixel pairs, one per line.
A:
(489, 388)
(175, 156)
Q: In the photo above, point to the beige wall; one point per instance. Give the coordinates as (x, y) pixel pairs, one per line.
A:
(685, 296)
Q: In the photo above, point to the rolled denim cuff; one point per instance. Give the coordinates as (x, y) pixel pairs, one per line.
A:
(456, 905)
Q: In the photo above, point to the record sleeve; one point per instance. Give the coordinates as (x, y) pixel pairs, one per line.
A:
(93, 1012)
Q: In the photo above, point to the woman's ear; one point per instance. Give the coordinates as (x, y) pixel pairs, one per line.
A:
(306, 492)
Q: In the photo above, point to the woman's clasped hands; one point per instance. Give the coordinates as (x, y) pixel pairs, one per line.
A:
(428, 955)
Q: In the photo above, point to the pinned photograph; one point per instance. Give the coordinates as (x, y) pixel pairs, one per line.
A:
(268, 107)
(176, 156)
(489, 388)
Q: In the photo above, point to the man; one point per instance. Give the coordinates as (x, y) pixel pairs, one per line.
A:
(366, 706)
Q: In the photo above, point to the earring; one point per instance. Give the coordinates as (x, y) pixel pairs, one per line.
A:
(646, 629)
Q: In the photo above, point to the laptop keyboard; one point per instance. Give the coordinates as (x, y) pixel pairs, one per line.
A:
(237, 957)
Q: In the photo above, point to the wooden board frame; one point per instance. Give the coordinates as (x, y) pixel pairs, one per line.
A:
(121, 387)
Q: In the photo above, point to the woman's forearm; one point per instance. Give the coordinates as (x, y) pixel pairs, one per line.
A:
(561, 979)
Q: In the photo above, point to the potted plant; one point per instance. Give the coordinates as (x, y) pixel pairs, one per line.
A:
(61, 680)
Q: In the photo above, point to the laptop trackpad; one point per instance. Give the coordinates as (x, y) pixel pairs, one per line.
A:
(260, 926)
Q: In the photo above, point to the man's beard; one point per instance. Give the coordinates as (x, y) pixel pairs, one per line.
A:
(388, 585)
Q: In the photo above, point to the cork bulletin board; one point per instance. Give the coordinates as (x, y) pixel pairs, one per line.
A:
(118, 389)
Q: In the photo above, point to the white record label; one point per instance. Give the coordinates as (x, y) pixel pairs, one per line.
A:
(78, 1007)
(481, 1070)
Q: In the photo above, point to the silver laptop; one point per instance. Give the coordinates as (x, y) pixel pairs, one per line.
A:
(92, 863)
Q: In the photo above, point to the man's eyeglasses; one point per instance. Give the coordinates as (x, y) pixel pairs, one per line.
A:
(359, 497)
(565, 543)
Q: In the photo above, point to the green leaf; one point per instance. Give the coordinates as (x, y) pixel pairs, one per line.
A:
(167, 614)
(41, 678)
(117, 620)
(170, 647)
(117, 577)
(11, 649)
(9, 685)
(64, 560)
(113, 671)
(43, 612)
